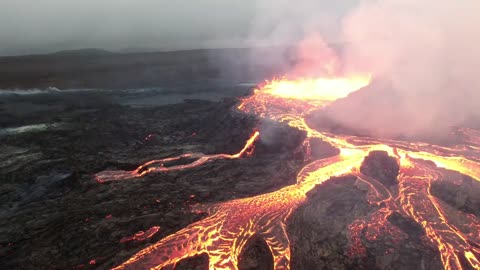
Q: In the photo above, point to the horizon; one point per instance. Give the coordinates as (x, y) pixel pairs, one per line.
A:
(123, 51)
(53, 25)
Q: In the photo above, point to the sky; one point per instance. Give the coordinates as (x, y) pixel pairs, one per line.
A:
(42, 26)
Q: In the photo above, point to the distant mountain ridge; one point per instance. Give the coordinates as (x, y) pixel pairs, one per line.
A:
(83, 52)
(102, 69)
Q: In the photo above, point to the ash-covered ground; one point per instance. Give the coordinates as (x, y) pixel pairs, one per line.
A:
(54, 215)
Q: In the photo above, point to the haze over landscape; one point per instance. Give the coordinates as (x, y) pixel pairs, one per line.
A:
(31, 27)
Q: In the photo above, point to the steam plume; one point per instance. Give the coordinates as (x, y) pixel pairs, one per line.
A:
(424, 56)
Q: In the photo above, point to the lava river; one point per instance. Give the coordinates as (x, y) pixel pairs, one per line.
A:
(224, 233)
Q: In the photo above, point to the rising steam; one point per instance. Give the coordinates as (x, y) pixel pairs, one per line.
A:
(423, 55)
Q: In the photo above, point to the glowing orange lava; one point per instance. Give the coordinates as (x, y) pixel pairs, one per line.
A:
(158, 165)
(230, 225)
(326, 89)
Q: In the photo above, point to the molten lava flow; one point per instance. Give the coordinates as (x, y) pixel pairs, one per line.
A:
(224, 234)
(415, 180)
(141, 235)
(230, 225)
(319, 89)
(159, 164)
(285, 98)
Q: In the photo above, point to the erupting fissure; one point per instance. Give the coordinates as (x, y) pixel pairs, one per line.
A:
(224, 233)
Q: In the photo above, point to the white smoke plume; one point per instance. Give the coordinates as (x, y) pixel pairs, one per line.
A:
(428, 51)
(423, 55)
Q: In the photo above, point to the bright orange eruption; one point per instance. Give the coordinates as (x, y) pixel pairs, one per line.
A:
(319, 89)
(230, 225)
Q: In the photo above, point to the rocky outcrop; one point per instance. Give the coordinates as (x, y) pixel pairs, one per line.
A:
(379, 165)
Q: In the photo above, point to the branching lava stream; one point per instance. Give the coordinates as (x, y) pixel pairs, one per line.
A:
(230, 225)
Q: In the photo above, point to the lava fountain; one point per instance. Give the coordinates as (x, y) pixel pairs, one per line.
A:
(224, 233)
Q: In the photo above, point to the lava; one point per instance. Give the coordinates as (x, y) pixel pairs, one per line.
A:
(326, 89)
(158, 165)
(141, 235)
(224, 233)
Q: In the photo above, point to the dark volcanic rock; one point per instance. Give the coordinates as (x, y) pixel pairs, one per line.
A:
(277, 139)
(321, 149)
(256, 256)
(379, 165)
(407, 225)
(459, 191)
(319, 233)
(317, 230)
(54, 215)
(195, 263)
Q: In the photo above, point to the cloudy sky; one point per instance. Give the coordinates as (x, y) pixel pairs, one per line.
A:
(38, 26)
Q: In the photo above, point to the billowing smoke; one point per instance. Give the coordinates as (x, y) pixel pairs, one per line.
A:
(427, 53)
(423, 55)
(296, 38)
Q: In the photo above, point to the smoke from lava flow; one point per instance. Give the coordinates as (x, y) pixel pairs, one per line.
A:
(423, 55)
